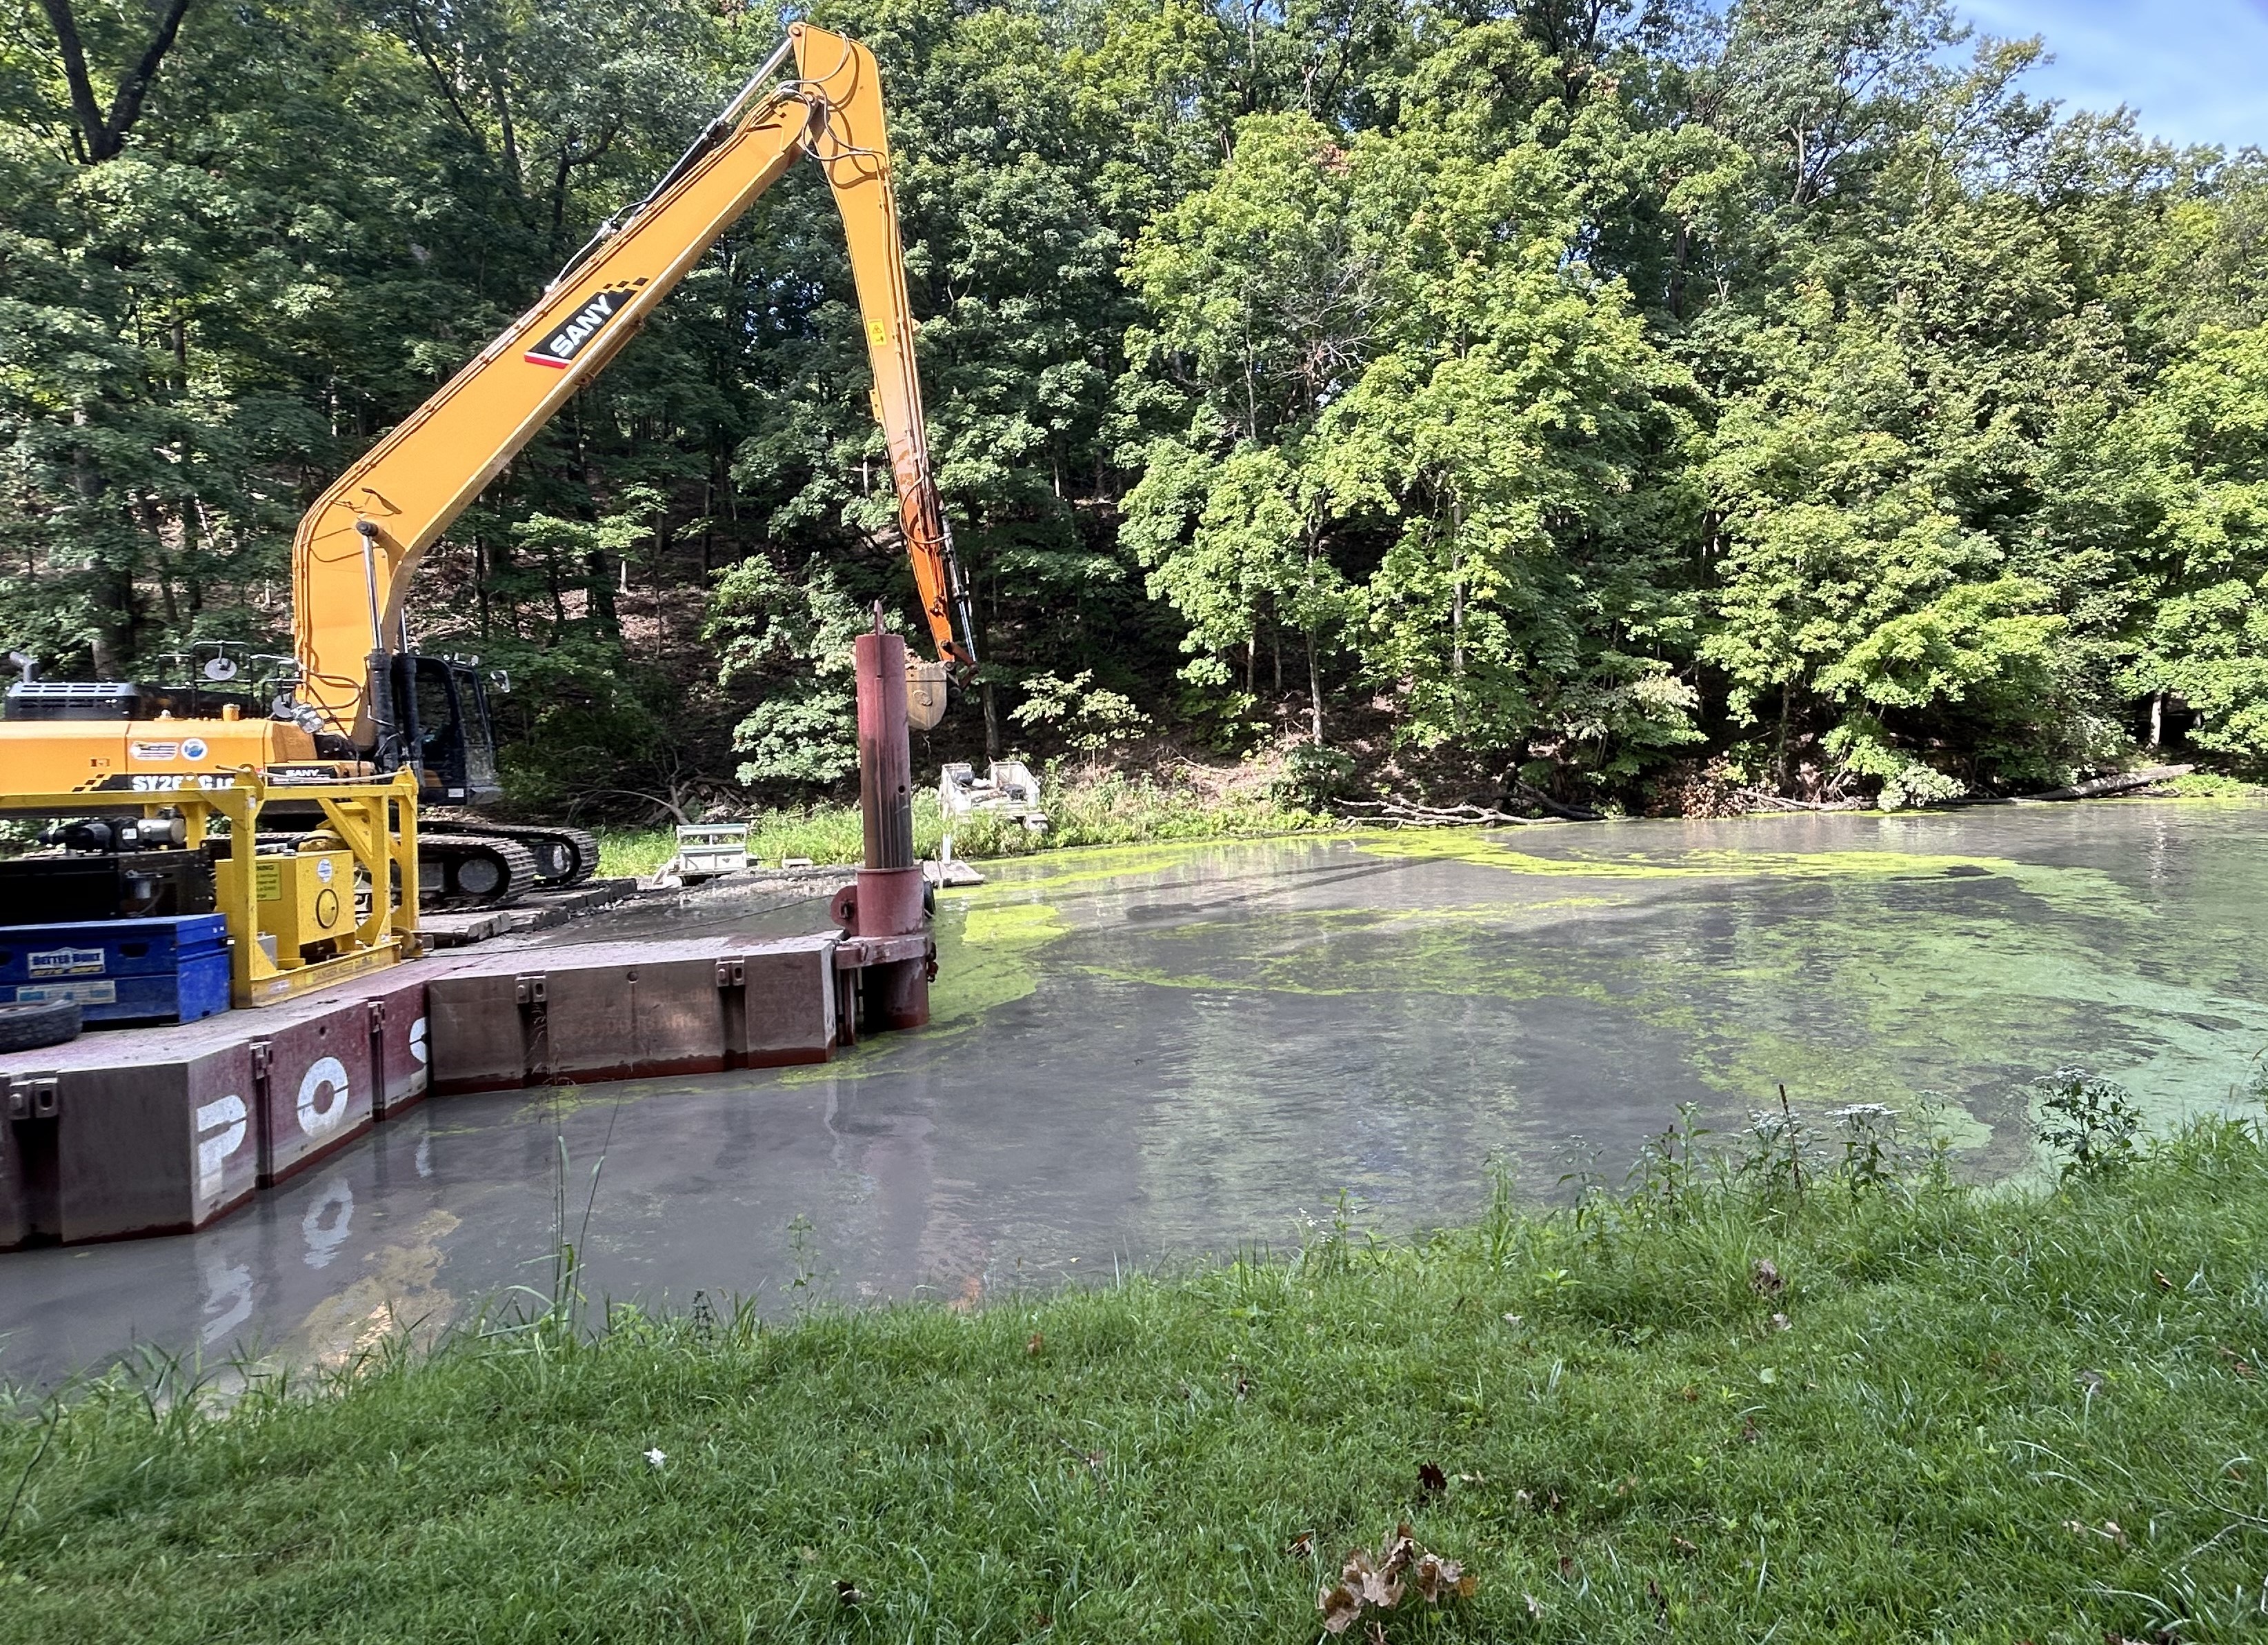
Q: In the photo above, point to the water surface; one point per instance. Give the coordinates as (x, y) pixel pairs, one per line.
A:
(1145, 1054)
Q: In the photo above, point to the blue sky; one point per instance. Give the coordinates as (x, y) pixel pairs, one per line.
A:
(2193, 70)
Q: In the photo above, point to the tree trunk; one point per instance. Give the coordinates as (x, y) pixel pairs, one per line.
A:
(602, 597)
(1315, 691)
(1456, 612)
(1780, 749)
(101, 137)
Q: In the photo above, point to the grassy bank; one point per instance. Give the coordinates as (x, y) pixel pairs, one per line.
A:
(1112, 808)
(1789, 1404)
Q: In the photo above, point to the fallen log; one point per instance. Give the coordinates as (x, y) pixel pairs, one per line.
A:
(2120, 783)
(1400, 813)
(1757, 799)
(1543, 802)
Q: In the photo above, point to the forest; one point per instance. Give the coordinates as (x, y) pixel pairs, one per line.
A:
(1625, 404)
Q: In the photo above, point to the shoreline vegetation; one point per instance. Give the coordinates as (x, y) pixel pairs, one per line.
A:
(1101, 806)
(1800, 1383)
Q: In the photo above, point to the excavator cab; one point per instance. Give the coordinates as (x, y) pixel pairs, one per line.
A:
(441, 717)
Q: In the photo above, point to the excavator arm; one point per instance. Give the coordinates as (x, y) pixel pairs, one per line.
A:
(358, 546)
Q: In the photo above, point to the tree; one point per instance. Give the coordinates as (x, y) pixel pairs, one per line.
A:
(2189, 493)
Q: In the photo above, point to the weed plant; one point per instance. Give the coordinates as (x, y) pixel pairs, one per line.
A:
(1111, 809)
(1806, 1387)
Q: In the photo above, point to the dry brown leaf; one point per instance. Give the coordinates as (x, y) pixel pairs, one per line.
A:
(1685, 1550)
(1340, 1607)
(1438, 1578)
(847, 1593)
(1302, 1546)
(1763, 1279)
(1037, 1344)
(1379, 1581)
(1430, 1480)
(2158, 1277)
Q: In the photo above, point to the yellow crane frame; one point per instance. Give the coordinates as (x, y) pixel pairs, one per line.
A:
(374, 819)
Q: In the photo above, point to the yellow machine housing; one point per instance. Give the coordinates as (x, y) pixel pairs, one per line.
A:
(160, 756)
(304, 902)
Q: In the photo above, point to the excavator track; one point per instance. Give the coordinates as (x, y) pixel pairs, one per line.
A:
(469, 871)
(563, 856)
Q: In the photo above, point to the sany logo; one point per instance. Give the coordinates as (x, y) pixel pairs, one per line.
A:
(567, 340)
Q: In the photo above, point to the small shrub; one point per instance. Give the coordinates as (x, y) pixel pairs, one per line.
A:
(2090, 1123)
(1871, 1157)
(1311, 776)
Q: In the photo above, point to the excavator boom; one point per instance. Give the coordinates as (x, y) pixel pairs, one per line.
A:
(358, 546)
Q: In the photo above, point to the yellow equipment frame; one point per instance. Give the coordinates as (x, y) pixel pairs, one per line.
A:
(374, 818)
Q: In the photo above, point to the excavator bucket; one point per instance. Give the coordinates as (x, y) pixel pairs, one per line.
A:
(925, 693)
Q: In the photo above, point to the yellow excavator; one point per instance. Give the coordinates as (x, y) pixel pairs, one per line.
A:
(359, 701)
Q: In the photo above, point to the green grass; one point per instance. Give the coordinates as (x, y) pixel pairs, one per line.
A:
(1115, 809)
(2211, 785)
(1987, 1416)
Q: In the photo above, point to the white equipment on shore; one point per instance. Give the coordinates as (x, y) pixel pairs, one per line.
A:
(1009, 786)
(706, 851)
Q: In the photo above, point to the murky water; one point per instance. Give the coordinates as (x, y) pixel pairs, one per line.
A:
(1146, 1054)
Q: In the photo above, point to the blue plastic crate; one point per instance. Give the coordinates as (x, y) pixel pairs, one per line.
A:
(173, 969)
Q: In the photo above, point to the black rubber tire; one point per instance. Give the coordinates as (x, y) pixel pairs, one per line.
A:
(40, 1023)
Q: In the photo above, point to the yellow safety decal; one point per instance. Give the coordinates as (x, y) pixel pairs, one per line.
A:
(877, 333)
(268, 876)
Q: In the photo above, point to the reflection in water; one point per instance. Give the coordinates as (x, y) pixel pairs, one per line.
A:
(329, 1220)
(1142, 1055)
(227, 1299)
